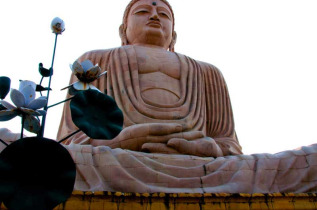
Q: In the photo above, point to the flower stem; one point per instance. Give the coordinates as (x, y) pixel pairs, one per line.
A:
(69, 136)
(3, 142)
(41, 133)
(60, 102)
(22, 127)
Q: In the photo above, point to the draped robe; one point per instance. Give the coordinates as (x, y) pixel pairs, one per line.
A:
(204, 104)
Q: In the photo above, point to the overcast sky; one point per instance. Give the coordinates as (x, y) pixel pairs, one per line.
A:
(265, 49)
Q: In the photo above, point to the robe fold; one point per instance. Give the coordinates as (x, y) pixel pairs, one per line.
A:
(204, 104)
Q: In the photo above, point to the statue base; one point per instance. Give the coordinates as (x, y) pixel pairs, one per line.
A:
(116, 200)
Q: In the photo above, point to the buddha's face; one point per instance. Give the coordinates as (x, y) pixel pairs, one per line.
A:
(150, 22)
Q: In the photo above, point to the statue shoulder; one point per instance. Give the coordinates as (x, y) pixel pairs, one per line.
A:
(212, 71)
(95, 54)
(209, 67)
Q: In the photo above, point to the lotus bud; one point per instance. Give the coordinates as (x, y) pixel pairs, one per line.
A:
(57, 25)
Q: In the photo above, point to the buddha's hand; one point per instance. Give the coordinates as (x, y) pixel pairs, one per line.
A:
(135, 136)
(191, 143)
(204, 147)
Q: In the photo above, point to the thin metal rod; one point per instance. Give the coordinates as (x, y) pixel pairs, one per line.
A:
(3, 142)
(22, 127)
(60, 102)
(41, 84)
(41, 133)
(69, 136)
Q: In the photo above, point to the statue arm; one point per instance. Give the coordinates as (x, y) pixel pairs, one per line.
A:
(220, 122)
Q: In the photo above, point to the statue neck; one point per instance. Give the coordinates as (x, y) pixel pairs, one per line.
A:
(150, 46)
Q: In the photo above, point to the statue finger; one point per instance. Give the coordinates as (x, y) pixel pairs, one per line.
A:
(102, 142)
(164, 128)
(204, 147)
(181, 145)
(192, 135)
(137, 143)
(158, 148)
(157, 129)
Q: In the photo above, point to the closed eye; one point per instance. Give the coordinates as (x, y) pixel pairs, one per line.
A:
(164, 14)
(141, 12)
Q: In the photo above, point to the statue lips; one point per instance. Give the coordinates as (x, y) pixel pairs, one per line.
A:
(155, 24)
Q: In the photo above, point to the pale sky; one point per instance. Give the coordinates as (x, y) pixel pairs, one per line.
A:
(266, 50)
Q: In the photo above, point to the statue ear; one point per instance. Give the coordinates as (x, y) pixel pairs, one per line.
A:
(173, 42)
(123, 35)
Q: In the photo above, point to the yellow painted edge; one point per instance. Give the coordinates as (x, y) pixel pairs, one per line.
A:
(195, 195)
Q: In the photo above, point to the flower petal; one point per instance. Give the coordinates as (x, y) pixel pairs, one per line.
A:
(42, 112)
(77, 68)
(25, 83)
(71, 66)
(81, 86)
(32, 124)
(30, 111)
(92, 73)
(103, 73)
(6, 115)
(17, 98)
(29, 94)
(37, 103)
(7, 105)
(57, 25)
(93, 87)
(86, 64)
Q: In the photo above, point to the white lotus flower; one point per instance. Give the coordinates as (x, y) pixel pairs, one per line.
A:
(57, 25)
(86, 72)
(25, 104)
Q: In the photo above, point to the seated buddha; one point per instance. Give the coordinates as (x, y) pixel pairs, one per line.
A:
(171, 103)
(178, 134)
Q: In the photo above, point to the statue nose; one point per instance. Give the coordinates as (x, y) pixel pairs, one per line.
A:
(154, 16)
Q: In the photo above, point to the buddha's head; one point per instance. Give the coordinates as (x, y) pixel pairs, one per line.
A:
(148, 22)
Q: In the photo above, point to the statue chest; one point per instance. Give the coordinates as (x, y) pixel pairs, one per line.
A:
(159, 76)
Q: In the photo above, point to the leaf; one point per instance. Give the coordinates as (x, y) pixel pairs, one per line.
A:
(96, 114)
(72, 91)
(5, 83)
(35, 173)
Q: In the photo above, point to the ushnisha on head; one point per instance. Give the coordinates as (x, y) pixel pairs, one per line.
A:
(148, 22)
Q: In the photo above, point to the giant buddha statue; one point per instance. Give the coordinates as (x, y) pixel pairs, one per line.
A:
(171, 103)
(178, 134)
